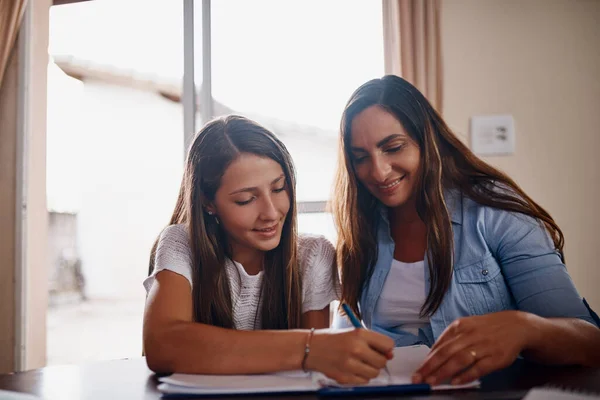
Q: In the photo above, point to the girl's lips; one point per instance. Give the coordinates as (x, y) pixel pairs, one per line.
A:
(266, 232)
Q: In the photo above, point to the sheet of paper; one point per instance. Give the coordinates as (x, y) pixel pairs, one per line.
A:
(10, 395)
(406, 360)
(292, 381)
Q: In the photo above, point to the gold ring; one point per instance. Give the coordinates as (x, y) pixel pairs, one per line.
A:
(474, 354)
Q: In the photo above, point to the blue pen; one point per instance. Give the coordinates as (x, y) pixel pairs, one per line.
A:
(357, 324)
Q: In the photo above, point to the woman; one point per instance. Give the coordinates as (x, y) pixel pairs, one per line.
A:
(437, 247)
(233, 289)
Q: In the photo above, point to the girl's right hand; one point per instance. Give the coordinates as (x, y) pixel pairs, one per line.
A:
(350, 357)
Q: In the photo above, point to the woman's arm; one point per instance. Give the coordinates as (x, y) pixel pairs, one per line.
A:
(475, 346)
(562, 341)
(174, 343)
(552, 324)
(560, 327)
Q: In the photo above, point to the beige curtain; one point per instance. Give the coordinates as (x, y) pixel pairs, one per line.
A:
(412, 47)
(11, 14)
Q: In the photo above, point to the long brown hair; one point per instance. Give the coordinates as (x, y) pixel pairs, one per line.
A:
(214, 148)
(446, 163)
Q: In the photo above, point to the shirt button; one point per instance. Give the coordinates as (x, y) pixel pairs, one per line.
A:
(484, 272)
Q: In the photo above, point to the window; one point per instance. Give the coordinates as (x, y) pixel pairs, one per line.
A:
(114, 166)
(291, 66)
(119, 112)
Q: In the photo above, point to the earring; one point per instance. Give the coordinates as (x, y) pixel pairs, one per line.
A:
(216, 218)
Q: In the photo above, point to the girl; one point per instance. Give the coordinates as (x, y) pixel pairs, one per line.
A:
(233, 289)
(437, 247)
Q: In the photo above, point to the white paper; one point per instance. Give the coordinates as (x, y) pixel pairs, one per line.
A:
(279, 382)
(10, 395)
(406, 360)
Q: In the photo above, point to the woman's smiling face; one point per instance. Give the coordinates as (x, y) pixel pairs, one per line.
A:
(385, 158)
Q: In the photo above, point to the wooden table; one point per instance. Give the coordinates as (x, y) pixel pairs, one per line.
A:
(131, 379)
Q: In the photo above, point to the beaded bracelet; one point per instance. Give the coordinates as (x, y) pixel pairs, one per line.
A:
(307, 349)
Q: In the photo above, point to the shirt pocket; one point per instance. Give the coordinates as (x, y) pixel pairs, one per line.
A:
(483, 287)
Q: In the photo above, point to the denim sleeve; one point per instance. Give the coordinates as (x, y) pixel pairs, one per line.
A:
(534, 272)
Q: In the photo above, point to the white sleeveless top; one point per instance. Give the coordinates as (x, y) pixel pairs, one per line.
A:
(315, 259)
(402, 297)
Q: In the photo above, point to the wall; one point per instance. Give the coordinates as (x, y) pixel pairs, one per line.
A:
(37, 215)
(34, 178)
(8, 143)
(539, 61)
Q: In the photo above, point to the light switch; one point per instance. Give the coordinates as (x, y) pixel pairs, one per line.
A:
(493, 135)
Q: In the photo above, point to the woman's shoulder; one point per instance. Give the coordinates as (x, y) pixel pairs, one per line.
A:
(464, 208)
(494, 224)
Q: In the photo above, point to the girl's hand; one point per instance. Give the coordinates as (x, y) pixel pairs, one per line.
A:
(350, 357)
(475, 346)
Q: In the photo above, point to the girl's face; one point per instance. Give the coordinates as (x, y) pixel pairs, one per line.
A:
(386, 159)
(252, 203)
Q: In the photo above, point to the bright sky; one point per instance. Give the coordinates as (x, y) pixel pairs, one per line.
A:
(292, 60)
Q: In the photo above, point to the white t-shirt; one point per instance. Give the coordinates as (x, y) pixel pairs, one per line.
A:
(402, 297)
(315, 259)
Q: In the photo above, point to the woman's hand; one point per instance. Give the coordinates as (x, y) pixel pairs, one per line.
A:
(475, 346)
(350, 357)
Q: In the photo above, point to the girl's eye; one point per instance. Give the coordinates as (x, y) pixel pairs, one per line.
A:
(243, 203)
(279, 190)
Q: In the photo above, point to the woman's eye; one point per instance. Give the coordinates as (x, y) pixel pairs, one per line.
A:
(395, 149)
(358, 160)
(279, 190)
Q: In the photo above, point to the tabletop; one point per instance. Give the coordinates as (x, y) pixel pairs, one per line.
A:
(131, 379)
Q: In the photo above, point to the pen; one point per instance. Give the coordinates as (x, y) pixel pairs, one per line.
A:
(357, 324)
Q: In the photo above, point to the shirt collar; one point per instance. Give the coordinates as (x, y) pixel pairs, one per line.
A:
(454, 204)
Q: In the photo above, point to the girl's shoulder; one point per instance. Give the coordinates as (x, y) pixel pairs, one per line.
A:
(177, 231)
(174, 238)
(316, 259)
(311, 246)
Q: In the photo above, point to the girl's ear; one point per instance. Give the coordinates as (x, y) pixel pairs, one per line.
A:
(208, 206)
(210, 209)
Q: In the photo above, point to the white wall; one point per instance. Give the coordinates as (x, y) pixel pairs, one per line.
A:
(538, 60)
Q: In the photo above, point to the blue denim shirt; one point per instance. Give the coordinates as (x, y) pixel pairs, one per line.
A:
(502, 261)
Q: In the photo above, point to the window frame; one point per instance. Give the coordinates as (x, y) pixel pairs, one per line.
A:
(189, 98)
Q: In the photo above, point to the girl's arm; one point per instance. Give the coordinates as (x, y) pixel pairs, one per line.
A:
(316, 319)
(174, 343)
